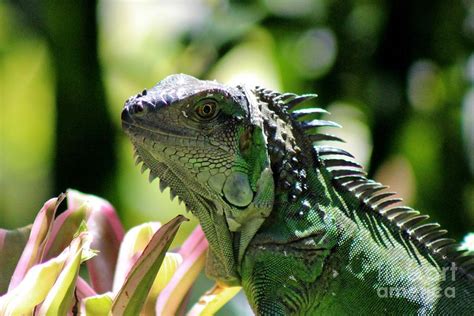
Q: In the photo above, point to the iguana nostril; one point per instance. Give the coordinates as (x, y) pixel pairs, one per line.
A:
(126, 115)
(131, 108)
(138, 107)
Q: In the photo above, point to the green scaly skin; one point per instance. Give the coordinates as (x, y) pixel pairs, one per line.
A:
(296, 223)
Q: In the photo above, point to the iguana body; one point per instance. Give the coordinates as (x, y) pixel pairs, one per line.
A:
(296, 223)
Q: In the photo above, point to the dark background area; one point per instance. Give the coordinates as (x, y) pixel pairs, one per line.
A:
(398, 75)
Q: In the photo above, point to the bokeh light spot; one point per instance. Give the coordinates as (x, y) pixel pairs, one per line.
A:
(468, 126)
(354, 131)
(316, 52)
(426, 89)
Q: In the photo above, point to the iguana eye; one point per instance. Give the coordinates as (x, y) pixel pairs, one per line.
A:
(207, 109)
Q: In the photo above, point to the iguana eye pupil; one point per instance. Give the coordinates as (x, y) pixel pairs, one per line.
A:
(207, 110)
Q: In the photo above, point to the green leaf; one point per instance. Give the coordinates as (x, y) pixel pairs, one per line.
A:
(33, 288)
(132, 246)
(60, 298)
(104, 225)
(98, 305)
(168, 268)
(131, 297)
(64, 228)
(213, 300)
(194, 254)
(35, 247)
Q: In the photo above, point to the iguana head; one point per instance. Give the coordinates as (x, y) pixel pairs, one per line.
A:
(200, 139)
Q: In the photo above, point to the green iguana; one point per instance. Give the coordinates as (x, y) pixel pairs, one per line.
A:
(297, 224)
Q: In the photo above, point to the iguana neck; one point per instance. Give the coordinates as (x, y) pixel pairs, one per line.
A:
(332, 205)
(300, 193)
(345, 244)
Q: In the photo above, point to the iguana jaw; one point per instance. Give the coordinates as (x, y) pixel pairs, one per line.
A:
(212, 219)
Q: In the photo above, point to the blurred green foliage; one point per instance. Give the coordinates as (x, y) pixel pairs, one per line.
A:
(397, 74)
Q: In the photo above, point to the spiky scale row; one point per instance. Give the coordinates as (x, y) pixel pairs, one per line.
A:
(154, 175)
(428, 236)
(386, 203)
(163, 185)
(413, 221)
(448, 250)
(328, 150)
(350, 175)
(318, 123)
(373, 198)
(324, 137)
(349, 178)
(299, 99)
(287, 101)
(349, 172)
(401, 217)
(280, 98)
(297, 114)
(341, 162)
(138, 160)
(423, 229)
(369, 189)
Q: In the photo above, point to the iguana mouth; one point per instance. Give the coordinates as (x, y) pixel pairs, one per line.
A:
(129, 125)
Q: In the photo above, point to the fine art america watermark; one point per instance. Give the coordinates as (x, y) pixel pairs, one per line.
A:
(447, 274)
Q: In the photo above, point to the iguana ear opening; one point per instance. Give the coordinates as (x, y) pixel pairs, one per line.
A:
(245, 141)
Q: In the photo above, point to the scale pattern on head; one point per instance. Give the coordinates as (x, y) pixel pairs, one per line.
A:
(187, 132)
